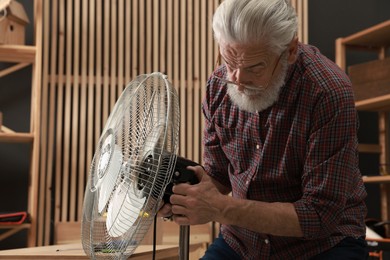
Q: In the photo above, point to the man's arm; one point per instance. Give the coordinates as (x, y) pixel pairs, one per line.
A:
(201, 203)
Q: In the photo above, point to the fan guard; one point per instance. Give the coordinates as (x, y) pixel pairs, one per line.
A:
(131, 168)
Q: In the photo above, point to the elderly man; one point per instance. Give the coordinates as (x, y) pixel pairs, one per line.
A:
(280, 136)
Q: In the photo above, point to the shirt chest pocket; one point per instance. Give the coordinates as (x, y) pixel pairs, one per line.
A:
(237, 146)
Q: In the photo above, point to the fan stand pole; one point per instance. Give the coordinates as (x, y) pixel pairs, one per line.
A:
(184, 241)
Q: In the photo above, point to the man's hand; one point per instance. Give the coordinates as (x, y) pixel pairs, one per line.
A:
(165, 210)
(195, 204)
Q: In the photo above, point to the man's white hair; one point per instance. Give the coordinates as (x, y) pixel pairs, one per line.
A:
(272, 23)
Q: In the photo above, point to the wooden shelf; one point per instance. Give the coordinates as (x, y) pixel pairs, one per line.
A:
(12, 229)
(16, 137)
(381, 103)
(19, 226)
(372, 75)
(17, 53)
(22, 56)
(374, 37)
(369, 148)
(376, 179)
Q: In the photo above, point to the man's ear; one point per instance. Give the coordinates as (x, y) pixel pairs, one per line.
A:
(293, 50)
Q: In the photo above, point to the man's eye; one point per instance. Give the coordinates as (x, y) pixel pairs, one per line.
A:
(256, 69)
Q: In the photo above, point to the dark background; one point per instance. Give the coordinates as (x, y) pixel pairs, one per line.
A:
(328, 20)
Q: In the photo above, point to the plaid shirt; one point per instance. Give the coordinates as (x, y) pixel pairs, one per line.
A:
(302, 150)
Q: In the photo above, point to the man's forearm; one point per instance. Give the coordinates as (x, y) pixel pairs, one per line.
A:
(275, 218)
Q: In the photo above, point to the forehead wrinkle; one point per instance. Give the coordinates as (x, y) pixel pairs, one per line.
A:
(244, 54)
(246, 59)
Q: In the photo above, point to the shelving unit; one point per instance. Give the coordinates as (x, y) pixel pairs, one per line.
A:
(374, 39)
(23, 56)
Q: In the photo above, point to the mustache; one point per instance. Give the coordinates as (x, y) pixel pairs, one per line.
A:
(249, 90)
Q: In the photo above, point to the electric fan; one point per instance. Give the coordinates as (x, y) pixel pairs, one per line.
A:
(133, 169)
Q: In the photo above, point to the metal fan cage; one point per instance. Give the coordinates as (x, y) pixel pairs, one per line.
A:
(131, 168)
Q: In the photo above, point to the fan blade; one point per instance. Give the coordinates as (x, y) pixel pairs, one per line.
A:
(124, 209)
(108, 168)
(108, 182)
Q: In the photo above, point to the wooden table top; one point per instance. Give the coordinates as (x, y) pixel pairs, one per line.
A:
(75, 252)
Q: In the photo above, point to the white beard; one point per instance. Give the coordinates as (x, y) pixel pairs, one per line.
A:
(266, 97)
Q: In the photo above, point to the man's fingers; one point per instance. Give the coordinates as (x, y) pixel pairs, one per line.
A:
(179, 215)
(177, 199)
(181, 220)
(165, 210)
(178, 210)
(181, 189)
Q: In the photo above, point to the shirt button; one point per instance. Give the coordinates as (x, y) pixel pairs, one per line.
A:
(266, 241)
(257, 147)
(247, 182)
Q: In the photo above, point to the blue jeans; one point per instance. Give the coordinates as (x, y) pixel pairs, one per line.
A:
(220, 250)
(348, 248)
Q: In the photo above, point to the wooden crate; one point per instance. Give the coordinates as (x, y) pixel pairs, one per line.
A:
(370, 79)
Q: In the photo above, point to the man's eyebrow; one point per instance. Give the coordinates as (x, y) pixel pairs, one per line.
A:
(261, 63)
